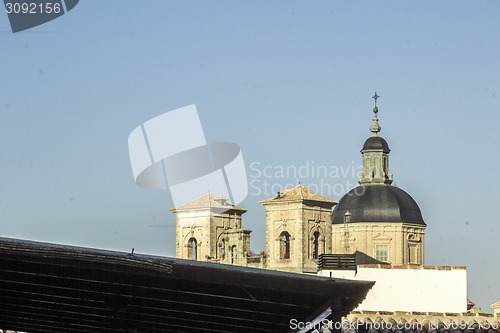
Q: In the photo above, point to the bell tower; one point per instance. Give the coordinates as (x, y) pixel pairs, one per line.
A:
(298, 229)
(209, 229)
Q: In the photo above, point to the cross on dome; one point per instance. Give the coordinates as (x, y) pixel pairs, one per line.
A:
(375, 128)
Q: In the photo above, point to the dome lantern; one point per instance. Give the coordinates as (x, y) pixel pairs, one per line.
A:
(375, 154)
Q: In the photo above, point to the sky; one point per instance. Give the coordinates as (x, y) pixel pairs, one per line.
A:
(290, 82)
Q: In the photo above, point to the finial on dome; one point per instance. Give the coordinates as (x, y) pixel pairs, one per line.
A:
(375, 128)
(375, 97)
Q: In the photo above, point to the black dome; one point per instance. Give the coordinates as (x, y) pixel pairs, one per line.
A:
(376, 142)
(378, 203)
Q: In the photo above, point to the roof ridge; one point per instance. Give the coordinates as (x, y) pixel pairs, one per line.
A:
(209, 201)
(299, 192)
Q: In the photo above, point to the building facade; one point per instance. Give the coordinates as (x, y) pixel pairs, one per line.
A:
(376, 221)
(374, 232)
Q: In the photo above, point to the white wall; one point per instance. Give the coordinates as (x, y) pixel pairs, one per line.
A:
(429, 289)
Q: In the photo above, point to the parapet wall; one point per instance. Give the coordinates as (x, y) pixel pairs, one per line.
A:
(410, 288)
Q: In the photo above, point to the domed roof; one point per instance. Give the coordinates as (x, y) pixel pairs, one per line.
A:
(376, 142)
(378, 203)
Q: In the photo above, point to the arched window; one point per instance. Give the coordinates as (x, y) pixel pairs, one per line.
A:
(316, 245)
(223, 248)
(285, 245)
(234, 254)
(193, 248)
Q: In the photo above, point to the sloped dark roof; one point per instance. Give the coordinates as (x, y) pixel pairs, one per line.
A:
(378, 203)
(55, 288)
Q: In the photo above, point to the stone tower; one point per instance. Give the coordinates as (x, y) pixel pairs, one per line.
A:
(298, 229)
(377, 221)
(209, 229)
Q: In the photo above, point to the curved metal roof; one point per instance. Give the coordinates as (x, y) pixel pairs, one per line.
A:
(376, 143)
(378, 203)
(56, 288)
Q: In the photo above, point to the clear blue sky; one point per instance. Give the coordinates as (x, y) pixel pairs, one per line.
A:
(290, 82)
